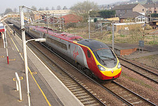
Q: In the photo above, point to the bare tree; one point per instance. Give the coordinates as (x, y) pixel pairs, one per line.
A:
(15, 10)
(58, 8)
(40, 9)
(83, 8)
(65, 8)
(34, 8)
(8, 10)
(52, 8)
(47, 8)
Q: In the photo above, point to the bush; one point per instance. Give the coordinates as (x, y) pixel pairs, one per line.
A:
(148, 27)
(122, 35)
(71, 25)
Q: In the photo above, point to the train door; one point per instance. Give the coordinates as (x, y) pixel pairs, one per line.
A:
(89, 58)
(0, 34)
(91, 64)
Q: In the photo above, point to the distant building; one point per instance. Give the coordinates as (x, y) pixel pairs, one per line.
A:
(151, 8)
(123, 9)
(133, 17)
(56, 13)
(71, 18)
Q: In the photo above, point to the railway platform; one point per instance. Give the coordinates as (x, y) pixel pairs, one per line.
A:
(45, 88)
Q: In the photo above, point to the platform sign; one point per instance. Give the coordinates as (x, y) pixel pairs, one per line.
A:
(1, 27)
(141, 43)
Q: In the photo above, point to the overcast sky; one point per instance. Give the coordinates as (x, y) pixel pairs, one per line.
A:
(46, 3)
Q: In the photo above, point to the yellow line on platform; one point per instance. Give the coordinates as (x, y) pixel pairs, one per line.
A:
(39, 87)
(32, 74)
(12, 59)
(13, 42)
(1, 56)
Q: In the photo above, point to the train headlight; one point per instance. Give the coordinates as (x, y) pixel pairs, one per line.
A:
(119, 65)
(101, 68)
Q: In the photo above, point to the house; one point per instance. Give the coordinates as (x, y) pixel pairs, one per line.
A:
(123, 9)
(71, 18)
(151, 8)
(42, 14)
(133, 17)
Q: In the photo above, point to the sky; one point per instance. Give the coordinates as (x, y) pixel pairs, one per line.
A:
(46, 3)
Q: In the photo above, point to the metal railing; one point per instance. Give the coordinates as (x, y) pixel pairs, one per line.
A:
(18, 85)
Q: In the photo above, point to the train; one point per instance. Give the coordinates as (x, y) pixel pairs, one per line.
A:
(94, 58)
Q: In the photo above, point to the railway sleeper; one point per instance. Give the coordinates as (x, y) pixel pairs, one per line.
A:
(72, 87)
(87, 100)
(137, 102)
(94, 104)
(78, 90)
(82, 97)
(82, 94)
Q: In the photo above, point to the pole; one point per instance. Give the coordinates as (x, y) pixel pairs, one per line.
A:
(25, 52)
(6, 45)
(113, 36)
(53, 20)
(89, 26)
(47, 23)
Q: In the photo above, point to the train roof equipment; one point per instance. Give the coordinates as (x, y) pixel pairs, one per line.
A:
(64, 35)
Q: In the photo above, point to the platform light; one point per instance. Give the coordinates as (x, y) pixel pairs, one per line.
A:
(25, 51)
(37, 40)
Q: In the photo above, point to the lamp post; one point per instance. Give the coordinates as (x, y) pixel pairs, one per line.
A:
(24, 50)
(89, 22)
(113, 36)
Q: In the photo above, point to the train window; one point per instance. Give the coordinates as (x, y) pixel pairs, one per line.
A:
(59, 44)
(88, 53)
(69, 46)
(44, 35)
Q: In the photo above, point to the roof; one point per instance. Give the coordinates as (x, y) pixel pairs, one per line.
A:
(93, 44)
(71, 18)
(113, 19)
(130, 14)
(55, 12)
(65, 36)
(125, 7)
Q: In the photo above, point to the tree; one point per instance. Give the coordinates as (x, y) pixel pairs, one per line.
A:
(82, 8)
(40, 9)
(58, 8)
(107, 13)
(34, 8)
(52, 8)
(47, 8)
(15, 10)
(65, 8)
(8, 10)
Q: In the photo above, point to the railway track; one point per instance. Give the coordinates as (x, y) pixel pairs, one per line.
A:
(145, 71)
(127, 95)
(81, 91)
(85, 95)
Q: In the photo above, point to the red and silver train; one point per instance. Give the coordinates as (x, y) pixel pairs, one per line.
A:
(93, 57)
